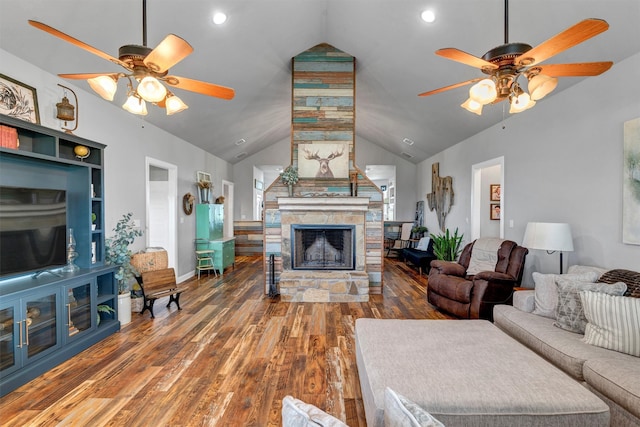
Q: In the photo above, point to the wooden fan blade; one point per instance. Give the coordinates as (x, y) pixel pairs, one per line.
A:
(76, 42)
(168, 53)
(443, 89)
(570, 37)
(200, 87)
(85, 76)
(464, 58)
(577, 69)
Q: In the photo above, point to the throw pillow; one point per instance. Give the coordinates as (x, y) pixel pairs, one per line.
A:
(631, 278)
(484, 255)
(296, 413)
(579, 269)
(614, 322)
(570, 314)
(423, 244)
(546, 291)
(401, 412)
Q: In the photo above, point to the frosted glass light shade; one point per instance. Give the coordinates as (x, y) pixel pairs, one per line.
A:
(541, 85)
(174, 104)
(521, 103)
(151, 90)
(472, 106)
(135, 105)
(105, 86)
(549, 236)
(483, 92)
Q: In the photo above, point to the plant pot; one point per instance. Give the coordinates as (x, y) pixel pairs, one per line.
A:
(290, 190)
(124, 308)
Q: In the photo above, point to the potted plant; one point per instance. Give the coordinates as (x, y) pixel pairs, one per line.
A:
(93, 220)
(419, 231)
(290, 177)
(117, 253)
(103, 308)
(447, 246)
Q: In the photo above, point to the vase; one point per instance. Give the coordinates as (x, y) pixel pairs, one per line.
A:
(124, 308)
(290, 190)
(71, 254)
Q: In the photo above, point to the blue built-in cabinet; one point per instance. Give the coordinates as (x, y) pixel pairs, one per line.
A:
(209, 235)
(47, 319)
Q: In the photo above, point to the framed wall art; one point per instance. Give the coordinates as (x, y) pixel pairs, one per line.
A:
(494, 213)
(323, 160)
(18, 100)
(495, 192)
(631, 183)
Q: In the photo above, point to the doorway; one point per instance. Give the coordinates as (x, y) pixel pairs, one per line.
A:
(227, 192)
(161, 207)
(487, 213)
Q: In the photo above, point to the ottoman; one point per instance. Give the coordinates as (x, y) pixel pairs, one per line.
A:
(467, 373)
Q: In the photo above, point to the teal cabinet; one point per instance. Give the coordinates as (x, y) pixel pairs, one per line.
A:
(209, 232)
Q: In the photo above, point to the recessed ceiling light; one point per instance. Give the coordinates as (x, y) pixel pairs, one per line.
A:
(219, 18)
(241, 141)
(408, 141)
(428, 16)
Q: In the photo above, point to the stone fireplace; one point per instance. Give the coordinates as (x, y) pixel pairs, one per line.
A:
(323, 243)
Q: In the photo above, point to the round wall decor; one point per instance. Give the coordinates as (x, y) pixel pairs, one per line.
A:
(187, 203)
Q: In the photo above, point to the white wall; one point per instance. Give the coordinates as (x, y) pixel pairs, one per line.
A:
(129, 139)
(563, 163)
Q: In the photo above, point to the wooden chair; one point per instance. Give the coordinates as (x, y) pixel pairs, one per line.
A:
(404, 239)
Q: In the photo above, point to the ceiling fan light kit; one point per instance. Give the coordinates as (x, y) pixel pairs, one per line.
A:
(506, 63)
(149, 67)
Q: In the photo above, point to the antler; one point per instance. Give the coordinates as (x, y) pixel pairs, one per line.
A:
(309, 155)
(335, 154)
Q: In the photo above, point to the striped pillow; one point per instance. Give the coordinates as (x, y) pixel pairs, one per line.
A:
(613, 322)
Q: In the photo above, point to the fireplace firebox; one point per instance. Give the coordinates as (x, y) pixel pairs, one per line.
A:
(322, 247)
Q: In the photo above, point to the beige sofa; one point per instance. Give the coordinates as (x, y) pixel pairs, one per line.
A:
(611, 375)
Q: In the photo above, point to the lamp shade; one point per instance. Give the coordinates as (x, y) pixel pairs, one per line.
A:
(549, 236)
(472, 106)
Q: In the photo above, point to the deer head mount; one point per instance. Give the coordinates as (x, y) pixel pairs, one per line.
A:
(324, 171)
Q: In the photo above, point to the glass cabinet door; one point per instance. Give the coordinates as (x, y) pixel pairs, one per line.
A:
(78, 309)
(41, 323)
(8, 331)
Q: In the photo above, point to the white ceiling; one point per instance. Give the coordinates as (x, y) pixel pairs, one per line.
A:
(252, 52)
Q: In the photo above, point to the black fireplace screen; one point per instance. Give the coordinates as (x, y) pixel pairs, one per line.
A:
(322, 247)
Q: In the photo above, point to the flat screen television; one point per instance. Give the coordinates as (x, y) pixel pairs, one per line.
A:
(33, 229)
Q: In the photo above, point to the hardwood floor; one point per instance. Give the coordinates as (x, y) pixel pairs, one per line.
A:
(226, 359)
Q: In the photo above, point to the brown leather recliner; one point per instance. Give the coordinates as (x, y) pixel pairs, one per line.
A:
(473, 296)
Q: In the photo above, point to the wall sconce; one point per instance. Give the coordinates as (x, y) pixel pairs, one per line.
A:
(66, 111)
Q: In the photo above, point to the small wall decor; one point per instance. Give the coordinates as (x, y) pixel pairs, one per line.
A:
(631, 183)
(187, 203)
(18, 100)
(203, 180)
(441, 197)
(495, 192)
(323, 160)
(494, 214)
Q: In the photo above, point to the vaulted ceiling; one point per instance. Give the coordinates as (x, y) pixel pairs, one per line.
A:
(252, 53)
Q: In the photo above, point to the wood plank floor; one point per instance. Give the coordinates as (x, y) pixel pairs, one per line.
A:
(226, 359)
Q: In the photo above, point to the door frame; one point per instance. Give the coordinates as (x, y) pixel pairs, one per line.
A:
(172, 250)
(227, 192)
(476, 196)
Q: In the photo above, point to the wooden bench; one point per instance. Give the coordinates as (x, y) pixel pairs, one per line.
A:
(157, 284)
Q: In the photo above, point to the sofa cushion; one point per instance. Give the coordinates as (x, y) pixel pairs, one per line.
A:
(564, 349)
(578, 269)
(570, 314)
(423, 244)
(618, 378)
(546, 291)
(401, 412)
(296, 413)
(613, 322)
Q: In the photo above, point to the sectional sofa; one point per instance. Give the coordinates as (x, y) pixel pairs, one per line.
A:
(614, 376)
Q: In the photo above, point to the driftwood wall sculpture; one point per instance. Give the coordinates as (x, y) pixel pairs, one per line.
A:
(441, 196)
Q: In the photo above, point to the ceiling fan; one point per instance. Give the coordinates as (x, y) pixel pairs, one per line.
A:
(505, 64)
(149, 67)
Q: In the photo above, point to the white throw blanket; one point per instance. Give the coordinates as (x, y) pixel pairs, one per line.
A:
(484, 255)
